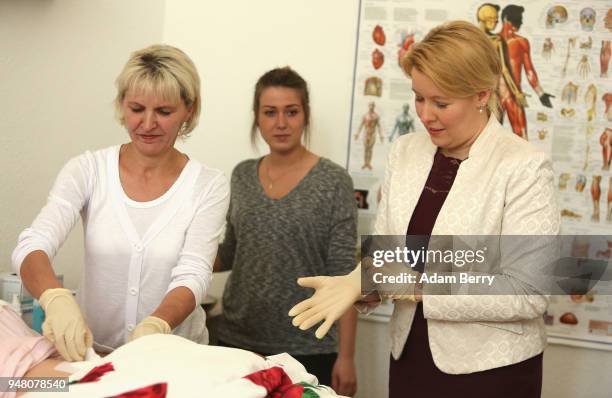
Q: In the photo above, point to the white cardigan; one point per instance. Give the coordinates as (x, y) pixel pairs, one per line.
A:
(127, 275)
(504, 187)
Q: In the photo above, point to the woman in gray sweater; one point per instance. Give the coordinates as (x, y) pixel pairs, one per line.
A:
(292, 213)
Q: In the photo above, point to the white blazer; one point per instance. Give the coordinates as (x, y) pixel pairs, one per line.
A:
(504, 187)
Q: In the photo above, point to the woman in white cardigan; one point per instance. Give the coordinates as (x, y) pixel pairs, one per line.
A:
(151, 220)
(466, 175)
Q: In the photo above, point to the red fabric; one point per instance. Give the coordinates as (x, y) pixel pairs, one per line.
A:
(96, 373)
(158, 390)
(292, 391)
(276, 382)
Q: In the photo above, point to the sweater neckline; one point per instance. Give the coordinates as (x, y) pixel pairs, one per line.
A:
(298, 187)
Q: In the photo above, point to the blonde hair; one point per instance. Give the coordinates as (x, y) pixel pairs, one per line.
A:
(163, 71)
(460, 59)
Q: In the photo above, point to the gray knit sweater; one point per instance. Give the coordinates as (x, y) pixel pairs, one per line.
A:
(270, 243)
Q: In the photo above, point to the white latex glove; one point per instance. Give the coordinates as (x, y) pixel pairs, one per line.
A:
(150, 325)
(333, 296)
(64, 324)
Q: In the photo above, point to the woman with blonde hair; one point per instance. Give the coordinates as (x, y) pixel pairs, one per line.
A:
(151, 218)
(466, 175)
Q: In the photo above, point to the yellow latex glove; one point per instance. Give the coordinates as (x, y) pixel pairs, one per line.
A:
(64, 324)
(333, 296)
(150, 325)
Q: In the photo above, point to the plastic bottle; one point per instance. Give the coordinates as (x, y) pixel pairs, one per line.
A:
(38, 316)
(16, 304)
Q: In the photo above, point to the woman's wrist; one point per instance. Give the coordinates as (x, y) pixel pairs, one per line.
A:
(345, 356)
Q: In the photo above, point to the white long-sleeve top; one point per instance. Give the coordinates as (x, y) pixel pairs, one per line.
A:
(135, 252)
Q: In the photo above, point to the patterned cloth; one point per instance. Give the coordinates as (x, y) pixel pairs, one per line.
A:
(167, 364)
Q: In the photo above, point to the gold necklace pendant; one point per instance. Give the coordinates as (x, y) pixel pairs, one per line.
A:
(271, 182)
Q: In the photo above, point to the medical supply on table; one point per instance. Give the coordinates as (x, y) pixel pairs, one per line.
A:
(38, 316)
(16, 304)
(11, 285)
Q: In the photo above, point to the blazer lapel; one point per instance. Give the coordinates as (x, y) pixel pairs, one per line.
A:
(456, 216)
(409, 182)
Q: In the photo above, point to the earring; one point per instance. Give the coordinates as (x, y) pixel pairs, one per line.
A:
(183, 128)
(481, 108)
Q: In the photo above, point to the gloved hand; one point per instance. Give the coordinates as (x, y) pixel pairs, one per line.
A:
(545, 100)
(333, 296)
(64, 324)
(150, 325)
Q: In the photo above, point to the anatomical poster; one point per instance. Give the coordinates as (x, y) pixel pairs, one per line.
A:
(557, 94)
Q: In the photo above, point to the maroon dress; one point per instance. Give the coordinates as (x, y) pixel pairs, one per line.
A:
(414, 374)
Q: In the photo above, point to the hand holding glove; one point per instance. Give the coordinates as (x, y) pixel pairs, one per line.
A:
(333, 296)
(150, 325)
(64, 324)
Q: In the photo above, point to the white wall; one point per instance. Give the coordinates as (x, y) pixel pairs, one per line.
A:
(233, 43)
(57, 67)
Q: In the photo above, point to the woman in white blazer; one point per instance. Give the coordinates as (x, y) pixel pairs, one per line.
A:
(466, 175)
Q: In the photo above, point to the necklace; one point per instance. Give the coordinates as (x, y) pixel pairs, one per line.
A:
(271, 181)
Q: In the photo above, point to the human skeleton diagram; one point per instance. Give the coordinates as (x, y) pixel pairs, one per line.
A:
(590, 98)
(569, 93)
(404, 123)
(370, 122)
(515, 55)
